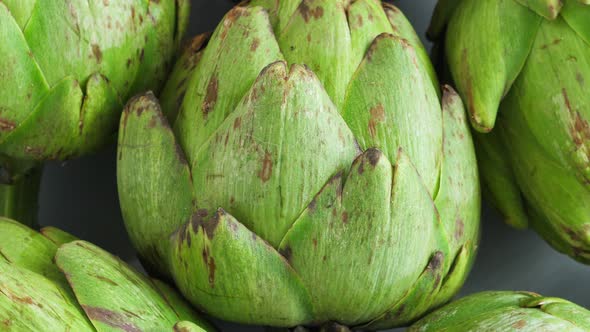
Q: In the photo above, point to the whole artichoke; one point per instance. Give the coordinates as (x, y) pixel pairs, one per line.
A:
(300, 170)
(50, 281)
(530, 60)
(506, 311)
(67, 69)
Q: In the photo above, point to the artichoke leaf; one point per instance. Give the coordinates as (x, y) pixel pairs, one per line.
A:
(441, 16)
(175, 89)
(112, 294)
(21, 10)
(210, 253)
(186, 326)
(575, 13)
(27, 249)
(498, 180)
(497, 311)
(366, 21)
(31, 302)
(318, 36)
(181, 307)
(43, 135)
(98, 115)
(402, 28)
(220, 79)
(559, 65)
(159, 30)
(57, 236)
(485, 71)
(154, 204)
(279, 146)
(396, 215)
(381, 119)
(458, 200)
(549, 9)
(17, 101)
(550, 189)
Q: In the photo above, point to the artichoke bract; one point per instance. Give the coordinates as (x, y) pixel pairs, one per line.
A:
(300, 169)
(51, 281)
(530, 60)
(506, 311)
(68, 67)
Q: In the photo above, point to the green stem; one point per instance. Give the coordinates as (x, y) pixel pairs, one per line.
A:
(19, 200)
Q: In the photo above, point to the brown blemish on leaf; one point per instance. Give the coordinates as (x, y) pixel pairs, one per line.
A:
(573, 235)
(198, 218)
(255, 44)
(312, 205)
(556, 41)
(286, 252)
(5, 257)
(315, 243)
(361, 168)
(373, 156)
(210, 262)
(237, 122)
(519, 324)
(307, 13)
(580, 79)
(345, 217)
(459, 229)
(180, 154)
(266, 171)
(35, 151)
(580, 130)
(436, 261)
(97, 53)
(105, 279)
(105, 2)
(210, 96)
(7, 125)
(110, 318)
(377, 117)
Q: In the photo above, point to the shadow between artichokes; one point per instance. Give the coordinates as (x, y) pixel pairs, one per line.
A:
(67, 69)
(51, 281)
(529, 67)
(299, 170)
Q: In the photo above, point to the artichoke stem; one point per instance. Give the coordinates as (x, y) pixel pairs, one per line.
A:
(19, 199)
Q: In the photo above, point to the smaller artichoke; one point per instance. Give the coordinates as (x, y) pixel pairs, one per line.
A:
(506, 311)
(522, 68)
(50, 281)
(67, 69)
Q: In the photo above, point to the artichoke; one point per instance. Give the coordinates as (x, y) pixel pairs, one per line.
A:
(50, 281)
(68, 68)
(300, 169)
(529, 61)
(506, 311)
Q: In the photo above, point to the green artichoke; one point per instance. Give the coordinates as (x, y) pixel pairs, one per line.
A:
(68, 68)
(300, 169)
(529, 60)
(50, 281)
(506, 311)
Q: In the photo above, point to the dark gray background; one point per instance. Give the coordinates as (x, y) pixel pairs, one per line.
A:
(80, 196)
